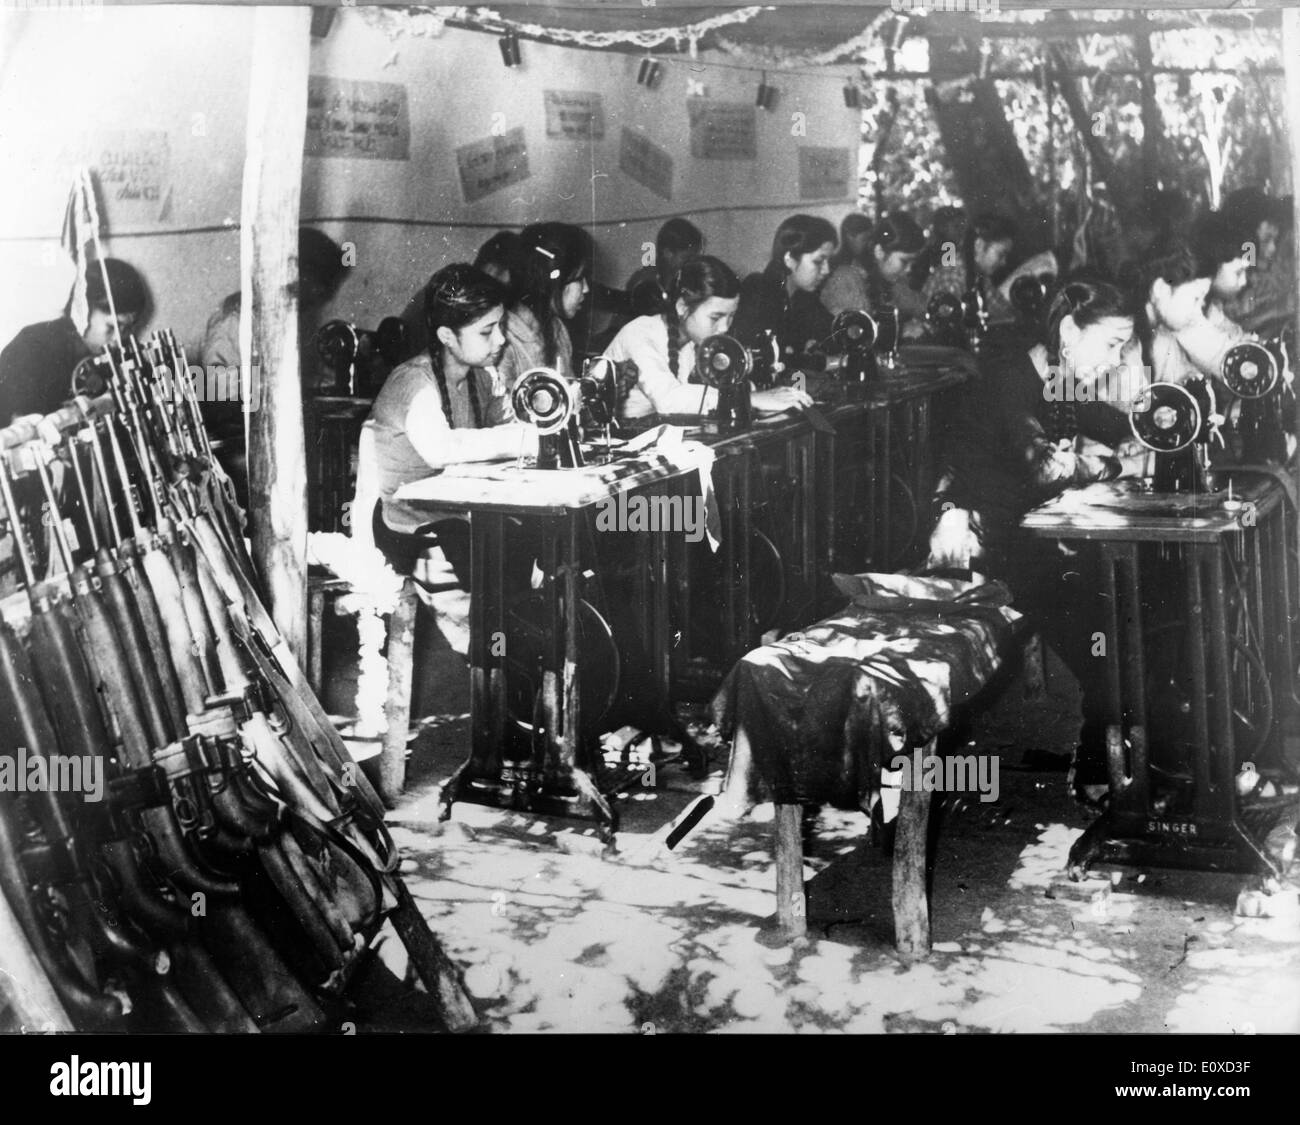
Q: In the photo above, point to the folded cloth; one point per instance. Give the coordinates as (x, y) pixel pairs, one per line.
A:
(825, 708)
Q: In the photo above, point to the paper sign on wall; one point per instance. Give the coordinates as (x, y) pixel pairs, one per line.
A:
(575, 115)
(644, 161)
(131, 167)
(357, 120)
(489, 165)
(722, 130)
(823, 172)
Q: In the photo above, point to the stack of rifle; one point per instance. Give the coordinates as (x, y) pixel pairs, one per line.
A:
(237, 870)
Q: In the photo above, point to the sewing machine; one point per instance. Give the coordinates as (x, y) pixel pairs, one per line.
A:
(1260, 375)
(356, 360)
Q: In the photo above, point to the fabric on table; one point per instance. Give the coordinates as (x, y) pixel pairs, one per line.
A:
(825, 708)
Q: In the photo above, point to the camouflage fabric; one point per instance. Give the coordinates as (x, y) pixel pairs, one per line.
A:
(826, 707)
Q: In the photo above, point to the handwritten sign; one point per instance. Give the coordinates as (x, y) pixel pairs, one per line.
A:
(489, 165)
(722, 130)
(644, 161)
(823, 172)
(357, 120)
(575, 115)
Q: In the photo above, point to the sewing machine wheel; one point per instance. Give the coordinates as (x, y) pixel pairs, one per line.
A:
(527, 640)
(1170, 723)
(944, 309)
(722, 361)
(338, 344)
(1250, 370)
(544, 398)
(854, 329)
(1166, 417)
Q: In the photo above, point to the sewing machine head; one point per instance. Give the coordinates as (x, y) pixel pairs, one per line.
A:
(943, 319)
(357, 358)
(858, 336)
(1172, 420)
(724, 363)
(1029, 296)
(1259, 374)
(600, 390)
(551, 403)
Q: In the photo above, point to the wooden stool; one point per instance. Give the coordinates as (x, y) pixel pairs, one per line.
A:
(401, 654)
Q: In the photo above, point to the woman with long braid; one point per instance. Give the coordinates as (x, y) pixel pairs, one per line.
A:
(554, 263)
(445, 406)
(702, 299)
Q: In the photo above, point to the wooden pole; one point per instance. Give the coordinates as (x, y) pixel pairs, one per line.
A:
(268, 329)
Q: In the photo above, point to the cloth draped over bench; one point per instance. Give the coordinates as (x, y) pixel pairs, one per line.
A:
(823, 709)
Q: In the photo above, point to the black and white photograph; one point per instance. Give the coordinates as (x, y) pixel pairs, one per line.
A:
(650, 518)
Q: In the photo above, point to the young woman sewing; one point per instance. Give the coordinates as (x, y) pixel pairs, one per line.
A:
(783, 298)
(445, 406)
(702, 299)
(881, 279)
(986, 245)
(1022, 446)
(553, 264)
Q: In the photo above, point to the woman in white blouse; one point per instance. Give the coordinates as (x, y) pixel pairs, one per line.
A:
(702, 301)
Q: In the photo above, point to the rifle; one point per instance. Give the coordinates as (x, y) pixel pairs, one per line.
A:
(270, 992)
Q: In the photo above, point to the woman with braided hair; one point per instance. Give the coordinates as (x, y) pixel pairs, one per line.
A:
(445, 406)
(553, 264)
(702, 299)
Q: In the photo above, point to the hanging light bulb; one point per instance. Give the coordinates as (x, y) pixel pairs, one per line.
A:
(766, 98)
(852, 96)
(650, 73)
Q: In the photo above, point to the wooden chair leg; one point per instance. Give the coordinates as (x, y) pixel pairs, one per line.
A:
(791, 904)
(910, 901)
(397, 707)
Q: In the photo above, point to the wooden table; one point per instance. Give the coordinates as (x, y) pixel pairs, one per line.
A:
(1229, 636)
(565, 777)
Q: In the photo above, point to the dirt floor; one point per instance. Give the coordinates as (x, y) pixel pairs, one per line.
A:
(558, 935)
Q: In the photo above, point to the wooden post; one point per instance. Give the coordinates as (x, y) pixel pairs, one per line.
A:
(268, 329)
(1291, 62)
(910, 901)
